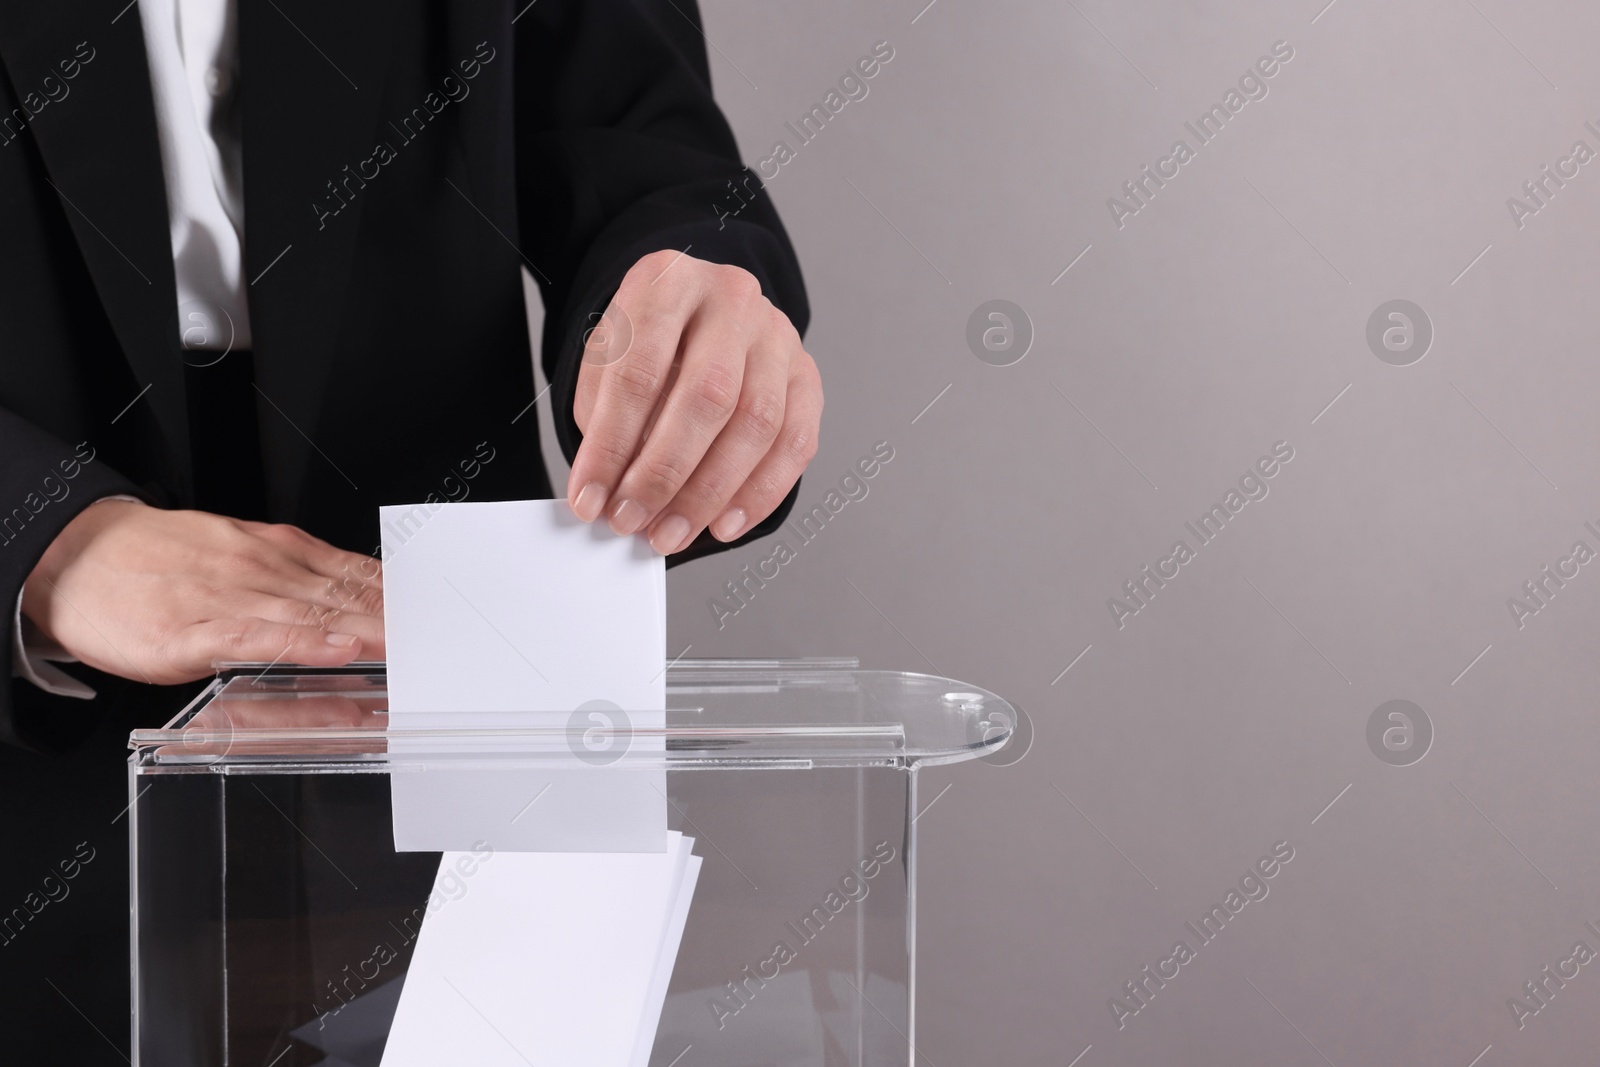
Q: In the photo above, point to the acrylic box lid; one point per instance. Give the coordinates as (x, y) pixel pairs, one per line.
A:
(728, 712)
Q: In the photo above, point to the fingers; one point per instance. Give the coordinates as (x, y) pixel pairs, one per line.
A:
(744, 439)
(606, 341)
(354, 571)
(255, 640)
(782, 466)
(368, 628)
(620, 393)
(311, 571)
(350, 596)
(704, 398)
(704, 415)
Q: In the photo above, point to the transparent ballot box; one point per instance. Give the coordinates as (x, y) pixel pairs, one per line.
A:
(275, 922)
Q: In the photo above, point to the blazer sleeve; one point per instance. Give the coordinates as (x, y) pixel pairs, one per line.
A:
(622, 151)
(44, 483)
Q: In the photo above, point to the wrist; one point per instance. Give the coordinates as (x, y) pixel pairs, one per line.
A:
(65, 548)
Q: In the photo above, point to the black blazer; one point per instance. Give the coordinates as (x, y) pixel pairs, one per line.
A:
(401, 161)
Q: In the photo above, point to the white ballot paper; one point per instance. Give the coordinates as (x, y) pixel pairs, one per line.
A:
(553, 957)
(517, 614)
(504, 616)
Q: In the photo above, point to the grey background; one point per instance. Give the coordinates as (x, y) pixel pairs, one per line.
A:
(1224, 317)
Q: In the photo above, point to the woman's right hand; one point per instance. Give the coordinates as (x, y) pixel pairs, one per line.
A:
(158, 596)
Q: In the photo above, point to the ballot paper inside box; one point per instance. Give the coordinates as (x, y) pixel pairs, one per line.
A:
(275, 921)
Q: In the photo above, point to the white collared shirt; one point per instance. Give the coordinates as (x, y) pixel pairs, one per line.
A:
(192, 47)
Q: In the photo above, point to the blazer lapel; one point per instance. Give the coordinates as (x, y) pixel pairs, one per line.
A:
(100, 149)
(312, 79)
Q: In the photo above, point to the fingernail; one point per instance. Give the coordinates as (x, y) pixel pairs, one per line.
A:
(590, 501)
(670, 534)
(342, 640)
(628, 516)
(728, 524)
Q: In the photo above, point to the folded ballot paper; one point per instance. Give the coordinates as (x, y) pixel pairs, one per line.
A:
(525, 645)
